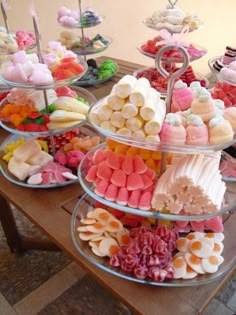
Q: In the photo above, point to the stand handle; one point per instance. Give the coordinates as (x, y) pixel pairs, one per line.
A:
(175, 74)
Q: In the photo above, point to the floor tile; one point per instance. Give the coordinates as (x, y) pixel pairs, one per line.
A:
(86, 297)
(228, 290)
(232, 302)
(217, 308)
(5, 307)
(46, 293)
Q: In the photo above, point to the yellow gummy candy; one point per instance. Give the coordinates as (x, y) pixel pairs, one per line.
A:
(43, 144)
(145, 154)
(132, 151)
(121, 148)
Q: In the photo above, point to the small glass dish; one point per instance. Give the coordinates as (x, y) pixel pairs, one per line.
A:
(151, 145)
(85, 94)
(92, 81)
(79, 24)
(46, 85)
(5, 50)
(228, 167)
(90, 50)
(84, 130)
(163, 92)
(172, 59)
(86, 204)
(89, 188)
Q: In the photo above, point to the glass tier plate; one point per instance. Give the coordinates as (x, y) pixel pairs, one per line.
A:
(85, 130)
(88, 187)
(92, 82)
(198, 75)
(218, 74)
(4, 51)
(155, 146)
(91, 50)
(149, 24)
(228, 166)
(85, 205)
(79, 25)
(47, 85)
(85, 94)
(171, 59)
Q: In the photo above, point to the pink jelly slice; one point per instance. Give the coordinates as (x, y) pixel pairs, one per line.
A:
(123, 196)
(150, 173)
(113, 161)
(147, 181)
(92, 173)
(214, 224)
(119, 178)
(104, 171)
(145, 201)
(127, 165)
(139, 165)
(111, 192)
(101, 188)
(134, 198)
(134, 182)
(99, 156)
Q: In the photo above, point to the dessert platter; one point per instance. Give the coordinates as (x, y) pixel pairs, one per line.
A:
(150, 214)
(170, 32)
(45, 116)
(84, 45)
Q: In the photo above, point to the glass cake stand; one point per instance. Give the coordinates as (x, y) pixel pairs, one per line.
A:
(86, 204)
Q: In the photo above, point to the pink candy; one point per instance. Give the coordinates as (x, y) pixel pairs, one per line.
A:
(148, 256)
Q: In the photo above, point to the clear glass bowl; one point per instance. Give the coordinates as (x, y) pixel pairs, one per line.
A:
(155, 146)
(199, 76)
(218, 75)
(171, 59)
(226, 165)
(79, 25)
(85, 204)
(93, 82)
(85, 94)
(89, 188)
(85, 130)
(91, 50)
(47, 85)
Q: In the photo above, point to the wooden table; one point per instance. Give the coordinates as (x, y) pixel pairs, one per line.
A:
(50, 210)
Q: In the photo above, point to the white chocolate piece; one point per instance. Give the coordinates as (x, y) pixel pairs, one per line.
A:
(61, 115)
(69, 175)
(140, 91)
(134, 123)
(117, 120)
(35, 179)
(129, 110)
(125, 85)
(104, 112)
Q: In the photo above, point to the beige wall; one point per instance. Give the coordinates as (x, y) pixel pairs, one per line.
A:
(123, 23)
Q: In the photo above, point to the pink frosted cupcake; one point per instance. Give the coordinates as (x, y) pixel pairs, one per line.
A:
(220, 131)
(182, 97)
(196, 131)
(203, 105)
(172, 130)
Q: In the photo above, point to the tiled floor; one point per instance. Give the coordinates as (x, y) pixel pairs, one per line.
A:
(48, 283)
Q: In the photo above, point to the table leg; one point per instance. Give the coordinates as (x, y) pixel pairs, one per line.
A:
(15, 241)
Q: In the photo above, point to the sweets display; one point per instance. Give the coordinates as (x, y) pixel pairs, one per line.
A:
(83, 45)
(150, 253)
(11, 42)
(173, 19)
(75, 18)
(134, 109)
(158, 82)
(98, 73)
(152, 46)
(59, 64)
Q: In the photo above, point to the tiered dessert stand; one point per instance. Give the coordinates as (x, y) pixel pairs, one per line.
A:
(168, 62)
(88, 202)
(89, 78)
(49, 134)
